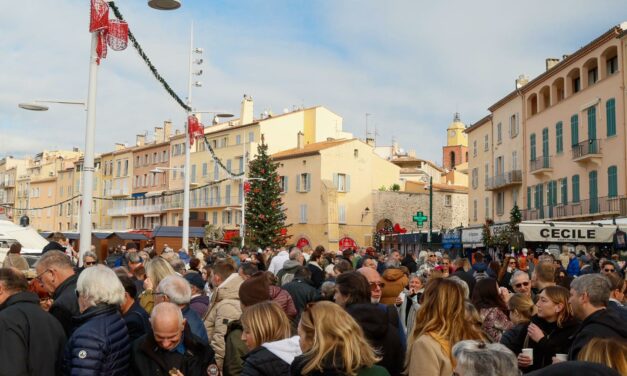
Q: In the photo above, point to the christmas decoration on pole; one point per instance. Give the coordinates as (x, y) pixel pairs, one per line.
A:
(112, 33)
(195, 128)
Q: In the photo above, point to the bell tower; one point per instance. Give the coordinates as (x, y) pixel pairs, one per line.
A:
(455, 152)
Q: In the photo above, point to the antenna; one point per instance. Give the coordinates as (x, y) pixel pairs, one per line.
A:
(367, 133)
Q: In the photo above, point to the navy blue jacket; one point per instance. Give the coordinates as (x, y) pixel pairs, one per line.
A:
(137, 321)
(100, 346)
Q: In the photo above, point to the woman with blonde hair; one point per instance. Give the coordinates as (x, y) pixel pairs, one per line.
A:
(266, 332)
(611, 352)
(156, 269)
(521, 310)
(333, 344)
(439, 325)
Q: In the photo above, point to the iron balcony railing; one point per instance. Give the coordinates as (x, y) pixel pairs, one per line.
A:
(616, 205)
(587, 147)
(505, 179)
(542, 162)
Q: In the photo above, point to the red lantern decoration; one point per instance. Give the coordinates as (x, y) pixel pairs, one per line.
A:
(283, 231)
(110, 32)
(246, 187)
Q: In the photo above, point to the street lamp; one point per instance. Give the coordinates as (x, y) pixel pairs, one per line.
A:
(164, 4)
(36, 106)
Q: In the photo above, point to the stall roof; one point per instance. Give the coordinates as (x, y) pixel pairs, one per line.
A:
(130, 236)
(177, 232)
(101, 235)
(45, 234)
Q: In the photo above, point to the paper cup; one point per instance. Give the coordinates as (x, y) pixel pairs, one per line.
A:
(529, 353)
(562, 357)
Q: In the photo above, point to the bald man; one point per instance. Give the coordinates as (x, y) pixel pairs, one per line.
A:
(170, 347)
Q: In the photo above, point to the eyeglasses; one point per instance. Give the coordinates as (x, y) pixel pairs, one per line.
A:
(512, 262)
(374, 285)
(519, 285)
(39, 276)
(90, 263)
(609, 270)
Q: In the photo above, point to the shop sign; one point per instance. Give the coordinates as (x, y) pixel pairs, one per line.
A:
(472, 237)
(566, 233)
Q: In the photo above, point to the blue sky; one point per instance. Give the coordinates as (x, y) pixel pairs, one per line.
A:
(411, 64)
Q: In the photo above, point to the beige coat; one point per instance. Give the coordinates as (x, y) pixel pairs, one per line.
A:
(224, 308)
(428, 359)
(15, 260)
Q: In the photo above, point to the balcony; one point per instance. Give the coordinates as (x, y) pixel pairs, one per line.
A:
(504, 180)
(541, 166)
(119, 192)
(598, 207)
(587, 151)
(140, 209)
(118, 212)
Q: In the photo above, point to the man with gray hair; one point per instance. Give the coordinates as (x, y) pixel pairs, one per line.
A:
(276, 264)
(171, 348)
(520, 283)
(296, 259)
(589, 297)
(175, 289)
(476, 358)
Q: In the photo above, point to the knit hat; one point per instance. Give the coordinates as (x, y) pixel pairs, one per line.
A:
(255, 289)
(195, 279)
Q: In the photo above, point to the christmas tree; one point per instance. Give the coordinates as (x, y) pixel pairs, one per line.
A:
(265, 216)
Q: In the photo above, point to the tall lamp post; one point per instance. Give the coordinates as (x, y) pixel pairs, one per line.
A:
(430, 209)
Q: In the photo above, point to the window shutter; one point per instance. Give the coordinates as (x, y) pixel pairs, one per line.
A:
(336, 180)
(218, 198)
(285, 184)
(308, 183)
(348, 183)
(298, 183)
(227, 197)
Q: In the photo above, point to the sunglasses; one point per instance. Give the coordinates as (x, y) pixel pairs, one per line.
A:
(609, 270)
(374, 285)
(512, 262)
(90, 263)
(519, 285)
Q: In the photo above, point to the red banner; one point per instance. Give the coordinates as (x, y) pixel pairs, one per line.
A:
(346, 243)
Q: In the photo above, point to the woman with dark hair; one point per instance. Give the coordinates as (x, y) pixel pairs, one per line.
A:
(493, 269)
(13, 259)
(510, 265)
(315, 267)
(487, 298)
(258, 260)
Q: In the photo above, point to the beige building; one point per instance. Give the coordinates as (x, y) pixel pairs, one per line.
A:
(327, 191)
(117, 185)
(10, 170)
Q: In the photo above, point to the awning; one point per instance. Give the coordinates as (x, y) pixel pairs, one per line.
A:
(567, 232)
(154, 193)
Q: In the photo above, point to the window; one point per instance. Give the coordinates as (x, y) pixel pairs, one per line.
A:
(204, 169)
(610, 114)
(226, 217)
(487, 207)
(513, 125)
(228, 165)
(486, 143)
(240, 164)
(474, 210)
(559, 142)
(155, 158)
(341, 214)
(612, 181)
(448, 200)
(225, 142)
(218, 196)
(575, 184)
(515, 196)
(342, 182)
(216, 171)
(612, 65)
(515, 160)
(303, 213)
(593, 76)
(126, 166)
(474, 148)
(284, 184)
(576, 84)
(238, 139)
(475, 178)
(593, 191)
(251, 136)
(528, 198)
(61, 192)
(500, 203)
(574, 130)
(532, 146)
(174, 174)
(215, 217)
(592, 123)
(193, 176)
(499, 136)
(303, 183)
(164, 158)
(564, 190)
(487, 173)
(227, 195)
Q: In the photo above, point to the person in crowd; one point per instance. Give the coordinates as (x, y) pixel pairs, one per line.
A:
(473, 318)
(317, 273)
(411, 302)
(571, 368)
(267, 335)
(45, 299)
(369, 262)
(247, 269)
(13, 259)
(410, 262)
(199, 302)
(100, 345)
(375, 282)
(175, 289)
(608, 267)
(58, 243)
(542, 277)
(609, 352)
(178, 265)
(492, 306)
(380, 326)
(89, 259)
(341, 266)
(225, 305)
(281, 296)
(156, 270)
(573, 264)
(276, 264)
(549, 331)
(286, 274)
(301, 289)
(439, 324)
(520, 283)
(477, 358)
(589, 297)
(617, 295)
(462, 284)
(479, 266)
(327, 290)
(521, 310)
(56, 272)
(31, 340)
(134, 261)
(395, 281)
(493, 269)
(135, 317)
(509, 267)
(333, 344)
(171, 347)
(463, 271)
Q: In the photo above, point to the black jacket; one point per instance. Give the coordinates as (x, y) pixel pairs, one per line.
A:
(137, 321)
(514, 338)
(317, 275)
(261, 361)
(31, 340)
(53, 246)
(604, 323)
(302, 292)
(148, 359)
(621, 310)
(65, 304)
(556, 340)
(381, 330)
(100, 345)
(575, 368)
(410, 264)
(467, 277)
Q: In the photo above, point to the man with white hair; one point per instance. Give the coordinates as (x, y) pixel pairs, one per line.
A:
(100, 345)
(175, 289)
(276, 264)
(520, 283)
(171, 347)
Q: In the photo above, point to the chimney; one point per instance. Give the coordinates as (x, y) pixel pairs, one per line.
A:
(370, 141)
(551, 62)
(300, 140)
(521, 81)
(140, 140)
(246, 113)
(159, 135)
(119, 146)
(167, 130)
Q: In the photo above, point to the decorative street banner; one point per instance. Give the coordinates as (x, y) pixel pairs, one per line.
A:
(567, 233)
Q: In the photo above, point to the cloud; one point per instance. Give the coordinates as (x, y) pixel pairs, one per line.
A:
(411, 64)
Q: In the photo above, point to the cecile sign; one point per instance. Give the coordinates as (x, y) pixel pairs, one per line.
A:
(566, 233)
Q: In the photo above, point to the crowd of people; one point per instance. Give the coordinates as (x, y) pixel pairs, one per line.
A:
(312, 312)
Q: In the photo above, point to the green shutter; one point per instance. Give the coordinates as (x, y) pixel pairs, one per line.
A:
(592, 123)
(564, 191)
(593, 192)
(545, 144)
(574, 130)
(532, 145)
(559, 142)
(575, 188)
(528, 198)
(612, 181)
(610, 114)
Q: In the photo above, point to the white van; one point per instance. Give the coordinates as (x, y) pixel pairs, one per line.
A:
(32, 243)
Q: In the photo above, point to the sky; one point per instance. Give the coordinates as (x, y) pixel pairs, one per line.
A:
(410, 64)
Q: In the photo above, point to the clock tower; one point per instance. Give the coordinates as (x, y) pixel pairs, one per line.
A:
(456, 150)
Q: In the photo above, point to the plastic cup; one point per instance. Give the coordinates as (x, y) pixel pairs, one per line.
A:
(528, 353)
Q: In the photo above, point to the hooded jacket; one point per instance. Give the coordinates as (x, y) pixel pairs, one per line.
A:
(604, 323)
(286, 274)
(32, 340)
(225, 307)
(302, 292)
(395, 281)
(272, 358)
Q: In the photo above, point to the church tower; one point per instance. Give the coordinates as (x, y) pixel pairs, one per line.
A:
(455, 152)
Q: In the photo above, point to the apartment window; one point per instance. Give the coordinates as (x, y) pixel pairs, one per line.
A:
(341, 214)
(193, 177)
(164, 158)
(574, 130)
(126, 166)
(593, 76)
(487, 173)
(204, 170)
(475, 178)
(532, 146)
(559, 142)
(448, 200)
(513, 125)
(610, 114)
(212, 194)
(612, 65)
(303, 182)
(514, 160)
(575, 184)
(215, 218)
(593, 191)
(284, 184)
(240, 164)
(303, 213)
(486, 143)
(228, 165)
(474, 148)
(251, 136)
(174, 174)
(216, 171)
(515, 196)
(564, 190)
(238, 139)
(487, 207)
(474, 210)
(218, 196)
(576, 84)
(499, 136)
(612, 181)
(342, 182)
(500, 203)
(61, 192)
(227, 195)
